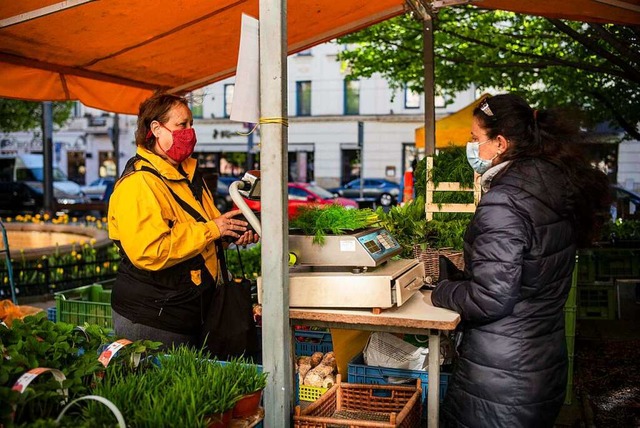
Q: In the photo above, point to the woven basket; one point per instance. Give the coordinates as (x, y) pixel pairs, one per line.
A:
(429, 258)
(361, 406)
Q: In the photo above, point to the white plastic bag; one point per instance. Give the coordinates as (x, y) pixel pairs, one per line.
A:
(387, 350)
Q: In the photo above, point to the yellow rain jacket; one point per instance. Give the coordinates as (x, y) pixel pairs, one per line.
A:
(169, 265)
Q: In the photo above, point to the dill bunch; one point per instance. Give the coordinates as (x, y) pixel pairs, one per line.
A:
(334, 219)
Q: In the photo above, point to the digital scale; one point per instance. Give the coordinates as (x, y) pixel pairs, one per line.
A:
(354, 270)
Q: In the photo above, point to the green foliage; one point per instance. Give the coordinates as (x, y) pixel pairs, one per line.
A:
(621, 230)
(37, 342)
(17, 115)
(333, 219)
(250, 258)
(448, 233)
(593, 67)
(407, 224)
(250, 376)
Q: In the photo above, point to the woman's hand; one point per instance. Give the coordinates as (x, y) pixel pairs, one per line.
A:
(249, 237)
(230, 226)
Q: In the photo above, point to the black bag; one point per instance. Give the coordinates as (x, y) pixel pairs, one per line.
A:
(229, 329)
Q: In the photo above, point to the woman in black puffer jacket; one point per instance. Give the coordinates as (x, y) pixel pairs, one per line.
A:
(542, 201)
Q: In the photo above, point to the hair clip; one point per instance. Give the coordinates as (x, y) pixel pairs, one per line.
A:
(484, 106)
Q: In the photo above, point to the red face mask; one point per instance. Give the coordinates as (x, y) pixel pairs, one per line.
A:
(184, 141)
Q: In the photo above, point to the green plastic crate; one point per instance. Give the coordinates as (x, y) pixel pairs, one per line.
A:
(596, 301)
(617, 263)
(88, 304)
(569, 393)
(586, 266)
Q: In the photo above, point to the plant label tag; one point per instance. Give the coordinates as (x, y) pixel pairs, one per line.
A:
(24, 380)
(111, 351)
(349, 246)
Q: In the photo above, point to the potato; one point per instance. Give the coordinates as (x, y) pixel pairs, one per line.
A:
(328, 381)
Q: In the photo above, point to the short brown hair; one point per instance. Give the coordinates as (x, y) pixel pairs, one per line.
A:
(156, 107)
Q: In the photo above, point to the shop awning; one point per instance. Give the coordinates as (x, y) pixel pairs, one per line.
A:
(113, 54)
(454, 129)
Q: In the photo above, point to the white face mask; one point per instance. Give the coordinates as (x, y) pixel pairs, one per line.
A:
(478, 164)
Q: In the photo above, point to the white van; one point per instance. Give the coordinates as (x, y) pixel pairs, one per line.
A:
(21, 186)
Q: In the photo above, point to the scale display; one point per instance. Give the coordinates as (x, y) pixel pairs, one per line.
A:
(379, 243)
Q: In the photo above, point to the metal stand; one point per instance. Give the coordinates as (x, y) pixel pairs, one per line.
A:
(7, 257)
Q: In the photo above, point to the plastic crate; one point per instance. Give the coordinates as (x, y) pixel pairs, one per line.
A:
(309, 341)
(568, 397)
(586, 266)
(310, 393)
(570, 321)
(359, 372)
(596, 302)
(51, 314)
(617, 263)
(88, 304)
(362, 406)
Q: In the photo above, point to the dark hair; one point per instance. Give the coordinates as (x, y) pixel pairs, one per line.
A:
(156, 107)
(549, 135)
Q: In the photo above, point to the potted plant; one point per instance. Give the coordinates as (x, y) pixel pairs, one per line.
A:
(251, 382)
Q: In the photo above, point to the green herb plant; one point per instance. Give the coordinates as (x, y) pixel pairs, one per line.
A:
(331, 219)
(251, 378)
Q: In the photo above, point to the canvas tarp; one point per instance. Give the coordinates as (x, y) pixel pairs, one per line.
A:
(113, 54)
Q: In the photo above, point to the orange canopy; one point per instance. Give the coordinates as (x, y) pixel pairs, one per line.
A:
(112, 54)
(454, 129)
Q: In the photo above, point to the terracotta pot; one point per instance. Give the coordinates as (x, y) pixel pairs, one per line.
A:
(247, 405)
(221, 420)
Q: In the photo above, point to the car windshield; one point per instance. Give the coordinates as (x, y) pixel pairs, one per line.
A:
(37, 174)
(323, 193)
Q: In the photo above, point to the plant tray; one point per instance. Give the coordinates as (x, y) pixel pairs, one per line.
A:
(360, 406)
(88, 304)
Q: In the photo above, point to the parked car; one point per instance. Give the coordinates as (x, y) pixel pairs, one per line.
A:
(95, 190)
(19, 197)
(626, 203)
(305, 194)
(221, 196)
(377, 190)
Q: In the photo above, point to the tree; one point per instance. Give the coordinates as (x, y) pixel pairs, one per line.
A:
(550, 62)
(17, 115)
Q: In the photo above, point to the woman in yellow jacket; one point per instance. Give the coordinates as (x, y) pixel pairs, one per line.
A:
(164, 220)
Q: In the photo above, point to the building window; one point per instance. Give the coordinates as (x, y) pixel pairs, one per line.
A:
(411, 98)
(303, 98)
(351, 97)
(228, 98)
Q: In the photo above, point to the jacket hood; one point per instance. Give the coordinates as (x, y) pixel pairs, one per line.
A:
(541, 179)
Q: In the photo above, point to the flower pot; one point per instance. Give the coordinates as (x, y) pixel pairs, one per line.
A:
(220, 420)
(247, 405)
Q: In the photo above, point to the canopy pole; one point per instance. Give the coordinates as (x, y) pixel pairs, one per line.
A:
(275, 224)
(429, 86)
(47, 155)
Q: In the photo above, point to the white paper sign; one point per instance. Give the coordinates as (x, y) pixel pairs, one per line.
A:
(245, 106)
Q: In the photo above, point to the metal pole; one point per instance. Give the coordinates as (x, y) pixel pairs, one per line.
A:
(275, 224)
(47, 155)
(115, 139)
(361, 147)
(429, 88)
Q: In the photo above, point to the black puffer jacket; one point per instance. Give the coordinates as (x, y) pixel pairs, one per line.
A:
(519, 254)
